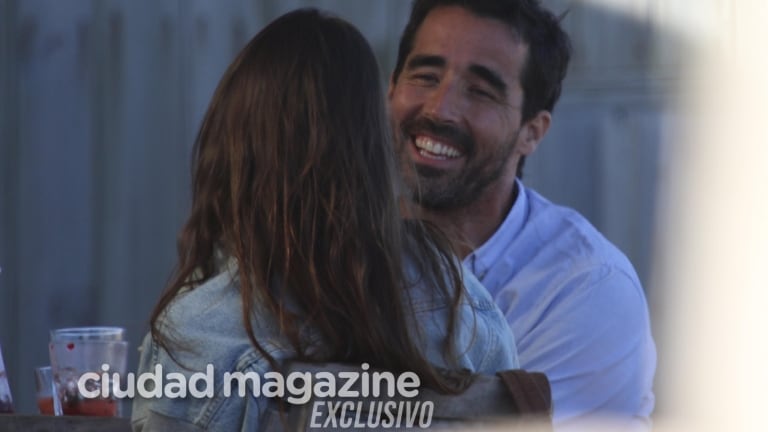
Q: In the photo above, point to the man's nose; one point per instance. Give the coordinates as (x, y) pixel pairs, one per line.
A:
(445, 103)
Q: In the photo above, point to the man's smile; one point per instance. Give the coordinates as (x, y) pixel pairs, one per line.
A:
(434, 149)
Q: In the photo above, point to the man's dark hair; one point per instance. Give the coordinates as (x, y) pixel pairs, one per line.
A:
(549, 47)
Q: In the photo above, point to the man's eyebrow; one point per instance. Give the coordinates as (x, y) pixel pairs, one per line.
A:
(493, 79)
(421, 60)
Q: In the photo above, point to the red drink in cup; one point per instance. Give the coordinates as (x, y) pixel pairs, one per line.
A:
(45, 405)
(92, 407)
(44, 390)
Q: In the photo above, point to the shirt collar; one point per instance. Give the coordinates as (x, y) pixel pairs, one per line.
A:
(482, 258)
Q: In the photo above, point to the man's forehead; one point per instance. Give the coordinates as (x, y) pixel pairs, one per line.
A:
(459, 35)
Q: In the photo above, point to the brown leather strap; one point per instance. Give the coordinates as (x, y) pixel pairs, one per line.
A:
(530, 391)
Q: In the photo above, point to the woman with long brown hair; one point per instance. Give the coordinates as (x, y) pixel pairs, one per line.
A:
(295, 248)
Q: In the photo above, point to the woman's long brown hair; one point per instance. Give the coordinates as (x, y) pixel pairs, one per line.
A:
(294, 177)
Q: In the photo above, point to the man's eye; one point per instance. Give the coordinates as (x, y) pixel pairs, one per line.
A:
(478, 91)
(424, 78)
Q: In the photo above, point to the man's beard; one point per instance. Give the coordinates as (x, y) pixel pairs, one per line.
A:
(438, 190)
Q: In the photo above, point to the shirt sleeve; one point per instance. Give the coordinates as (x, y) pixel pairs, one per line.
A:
(222, 412)
(593, 340)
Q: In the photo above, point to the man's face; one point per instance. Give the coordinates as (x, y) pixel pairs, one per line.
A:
(456, 108)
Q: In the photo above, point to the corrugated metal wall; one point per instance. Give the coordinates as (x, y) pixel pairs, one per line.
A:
(100, 101)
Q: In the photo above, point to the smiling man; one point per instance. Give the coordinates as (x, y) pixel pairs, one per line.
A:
(471, 96)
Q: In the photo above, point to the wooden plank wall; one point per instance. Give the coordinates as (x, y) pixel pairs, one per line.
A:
(100, 101)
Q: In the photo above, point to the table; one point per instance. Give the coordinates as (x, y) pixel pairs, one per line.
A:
(40, 423)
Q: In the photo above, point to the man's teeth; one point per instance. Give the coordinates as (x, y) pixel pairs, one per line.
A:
(435, 148)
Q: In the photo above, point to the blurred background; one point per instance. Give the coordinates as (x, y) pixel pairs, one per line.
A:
(100, 102)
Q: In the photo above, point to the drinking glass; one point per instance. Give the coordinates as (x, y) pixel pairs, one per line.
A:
(6, 402)
(44, 390)
(96, 350)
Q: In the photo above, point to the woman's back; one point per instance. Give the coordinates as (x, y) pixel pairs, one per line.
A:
(295, 186)
(212, 336)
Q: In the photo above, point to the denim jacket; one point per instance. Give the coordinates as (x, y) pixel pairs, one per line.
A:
(208, 321)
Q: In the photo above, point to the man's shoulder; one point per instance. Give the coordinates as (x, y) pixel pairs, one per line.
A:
(557, 232)
(578, 311)
(571, 270)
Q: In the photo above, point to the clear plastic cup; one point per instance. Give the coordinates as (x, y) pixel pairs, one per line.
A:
(99, 351)
(75, 334)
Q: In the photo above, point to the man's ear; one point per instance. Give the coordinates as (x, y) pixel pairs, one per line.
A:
(533, 132)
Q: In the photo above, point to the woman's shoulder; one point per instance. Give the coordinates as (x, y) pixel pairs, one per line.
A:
(207, 322)
(212, 306)
(203, 333)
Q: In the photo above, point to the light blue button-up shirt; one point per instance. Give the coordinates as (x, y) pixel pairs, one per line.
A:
(576, 308)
